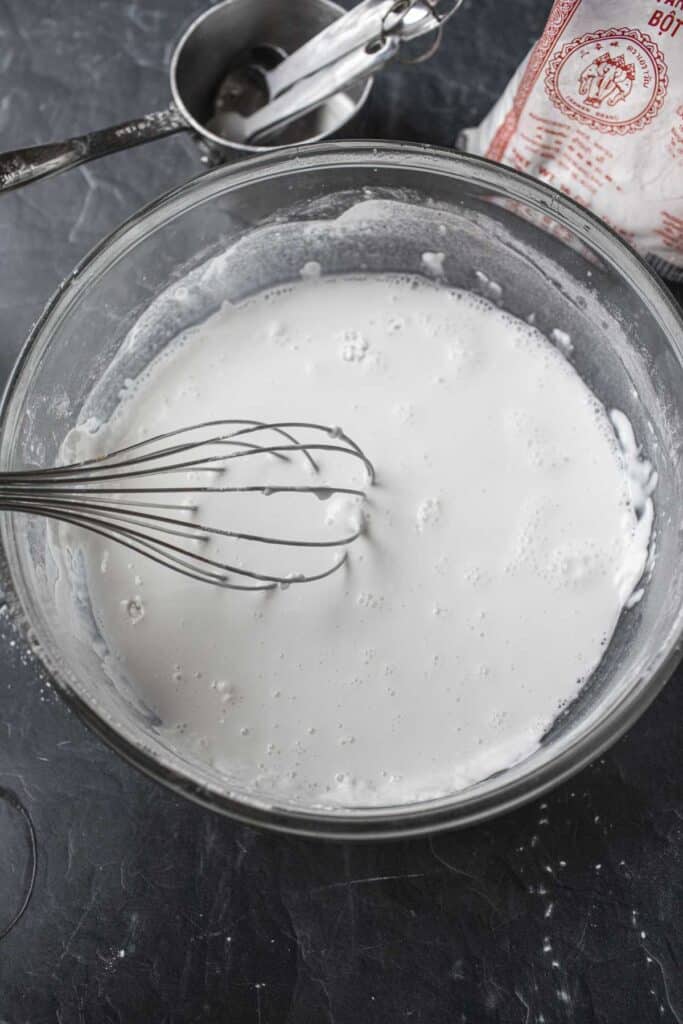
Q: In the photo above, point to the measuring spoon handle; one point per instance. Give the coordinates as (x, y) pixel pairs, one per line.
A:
(354, 30)
(312, 91)
(20, 166)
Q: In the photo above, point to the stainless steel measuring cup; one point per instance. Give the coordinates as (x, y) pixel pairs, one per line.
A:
(349, 50)
(198, 66)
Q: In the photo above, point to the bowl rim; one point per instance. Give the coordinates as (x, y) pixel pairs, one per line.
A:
(432, 816)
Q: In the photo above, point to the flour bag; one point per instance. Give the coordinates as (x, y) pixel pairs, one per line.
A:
(596, 110)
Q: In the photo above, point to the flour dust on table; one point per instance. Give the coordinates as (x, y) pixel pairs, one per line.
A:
(505, 533)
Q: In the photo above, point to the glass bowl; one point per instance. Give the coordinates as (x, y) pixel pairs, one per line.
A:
(550, 258)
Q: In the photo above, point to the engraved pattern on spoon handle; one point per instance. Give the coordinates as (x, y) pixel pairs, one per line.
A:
(20, 166)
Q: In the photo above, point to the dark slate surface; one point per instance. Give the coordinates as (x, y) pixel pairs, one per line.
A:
(148, 909)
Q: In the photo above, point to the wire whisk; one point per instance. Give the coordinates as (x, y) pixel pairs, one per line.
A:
(123, 497)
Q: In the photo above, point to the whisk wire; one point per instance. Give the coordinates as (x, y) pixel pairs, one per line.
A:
(74, 494)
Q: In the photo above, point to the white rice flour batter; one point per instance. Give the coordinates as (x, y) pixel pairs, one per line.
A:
(502, 546)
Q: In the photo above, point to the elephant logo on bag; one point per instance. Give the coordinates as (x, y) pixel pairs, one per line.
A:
(614, 80)
(607, 80)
